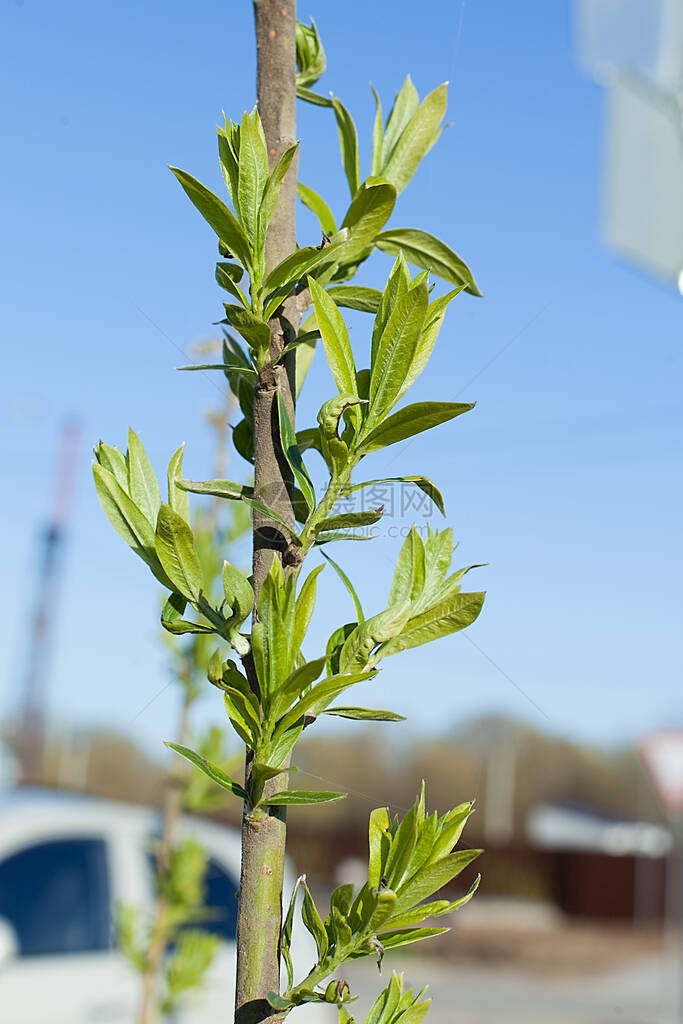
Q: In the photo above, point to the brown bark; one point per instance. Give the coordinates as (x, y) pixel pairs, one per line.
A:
(263, 834)
(275, 24)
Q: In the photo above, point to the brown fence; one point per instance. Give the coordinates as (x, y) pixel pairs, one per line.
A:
(581, 884)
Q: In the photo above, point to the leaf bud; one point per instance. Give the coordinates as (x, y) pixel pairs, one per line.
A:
(215, 668)
(337, 991)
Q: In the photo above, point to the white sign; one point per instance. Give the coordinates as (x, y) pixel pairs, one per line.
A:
(662, 753)
(643, 195)
(635, 49)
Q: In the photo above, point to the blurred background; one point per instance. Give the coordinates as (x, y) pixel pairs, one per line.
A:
(560, 182)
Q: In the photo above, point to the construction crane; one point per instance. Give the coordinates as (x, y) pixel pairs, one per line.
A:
(31, 738)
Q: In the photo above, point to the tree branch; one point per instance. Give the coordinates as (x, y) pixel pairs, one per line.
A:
(263, 834)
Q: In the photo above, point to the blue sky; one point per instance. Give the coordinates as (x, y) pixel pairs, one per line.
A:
(566, 477)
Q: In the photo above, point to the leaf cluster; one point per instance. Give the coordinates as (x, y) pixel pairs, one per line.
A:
(285, 692)
(310, 62)
(180, 885)
(161, 535)
(360, 420)
(425, 603)
(393, 1005)
(399, 144)
(410, 860)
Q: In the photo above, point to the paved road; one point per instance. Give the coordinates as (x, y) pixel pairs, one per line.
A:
(643, 993)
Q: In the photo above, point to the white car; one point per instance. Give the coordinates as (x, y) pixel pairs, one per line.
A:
(66, 861)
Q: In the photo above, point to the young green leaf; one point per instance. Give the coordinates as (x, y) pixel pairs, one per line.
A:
(213, 772)
(395, 352)
(396, 287)
(349, 586)
(286, 933)
(282, 745)
(317, 205)
(335, 339)
(313, 923)
(177, 497)
(295, 684)
(340, 934)
(433, 323)
(143, 485)
(228, 161)
(305, 604)
(349, 520)
(411, 420)
(416, 139)
(437, 909)
(310, 55)
(412, 1014)
(174, 545)
(409, 576)
(432, 878)
(377, 136)
(243, 439)
(174, 607)
(365, 714)
(179, 627)
(328, 537)
(227, 368)
(422, 482)
(402, 846)
(253, 329)
(217, 215)
(238, 592)
(260, 774)
(279, 1002)
(357, 650)
(333, 449)
(244, 719)
(298, 264)
(312, 97)
(428, 252)
(348, 142)
(114, 461)
(451, 585)
(351, 296)
(403, 937)
(124, 515)
(260, 656)
(380, 841)
(304, 338)
(291, 452)
(366, 216)
(439, 549)
(320, 696)
(450, 829)
(342, 898)
(252, 174)
(227, 276)
(272, 191)
(276, 613)
(218, 488)
(287, 797)
(448, 616)
(265, 510)
(300, 505)
(405, 107)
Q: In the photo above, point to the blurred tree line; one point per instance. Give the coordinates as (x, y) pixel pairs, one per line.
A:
(539, 766)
